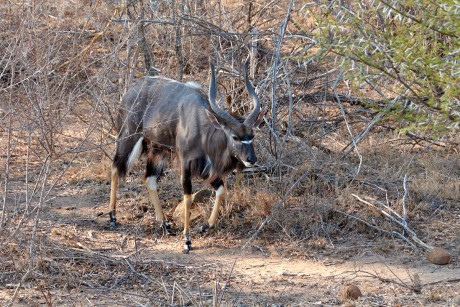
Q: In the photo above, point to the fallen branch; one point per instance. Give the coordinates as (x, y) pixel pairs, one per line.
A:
(393, 216)
(416, 287)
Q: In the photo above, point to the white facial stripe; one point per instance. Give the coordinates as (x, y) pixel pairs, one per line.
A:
(247, 142)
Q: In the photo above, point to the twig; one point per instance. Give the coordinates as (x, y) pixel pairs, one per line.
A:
(282, 30)
(376, 119)
(342, 108)
(253, 52)
(138, 273)
(24, 278)
(355, 141)
(417, 138)
(226, 283)
(398, 220)
(289, 88)
(452, 280)
(404, 200)
(7, 172)
(388, 280)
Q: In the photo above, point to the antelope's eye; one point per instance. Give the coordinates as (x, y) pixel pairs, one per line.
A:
(235, 138)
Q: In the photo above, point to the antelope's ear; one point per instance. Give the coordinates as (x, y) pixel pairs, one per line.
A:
(218, 124)
(260, 118)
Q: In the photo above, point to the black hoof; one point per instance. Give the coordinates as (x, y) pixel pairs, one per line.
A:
(188, 245)
(204, 228)
(113, 219)
(113, 224)
(166, 227)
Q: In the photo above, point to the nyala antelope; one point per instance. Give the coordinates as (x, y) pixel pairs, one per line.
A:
(160, 117)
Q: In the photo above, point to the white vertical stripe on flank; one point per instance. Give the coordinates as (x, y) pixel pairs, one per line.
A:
(134, 155)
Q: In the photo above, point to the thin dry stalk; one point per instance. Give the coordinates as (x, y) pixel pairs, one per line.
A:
(393, 216)
(344, 114)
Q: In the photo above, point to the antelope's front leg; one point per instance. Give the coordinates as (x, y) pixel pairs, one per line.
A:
(187, 186)
(113, 197)
(218, 185)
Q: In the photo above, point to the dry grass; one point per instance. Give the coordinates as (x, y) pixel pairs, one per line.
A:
(61, 78)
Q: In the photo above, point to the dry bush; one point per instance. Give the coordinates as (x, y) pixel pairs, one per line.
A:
(63, 71)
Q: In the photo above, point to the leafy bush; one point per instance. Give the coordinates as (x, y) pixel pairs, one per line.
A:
(405, 50)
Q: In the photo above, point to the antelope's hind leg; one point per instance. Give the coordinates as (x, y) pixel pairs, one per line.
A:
(128, 152)
(218, 186)
(156, 161)
(187, 186)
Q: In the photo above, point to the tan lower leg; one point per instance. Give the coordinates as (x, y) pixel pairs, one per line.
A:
(187, 205)
(151, 184)
(220, 193)
(113, 191)
(155, 200)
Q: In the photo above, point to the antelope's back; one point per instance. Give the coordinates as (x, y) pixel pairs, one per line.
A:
(159, 107)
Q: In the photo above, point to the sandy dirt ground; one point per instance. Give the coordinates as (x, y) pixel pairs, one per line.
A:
(88, 264)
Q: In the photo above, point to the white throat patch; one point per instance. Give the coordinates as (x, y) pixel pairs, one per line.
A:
(247, 164)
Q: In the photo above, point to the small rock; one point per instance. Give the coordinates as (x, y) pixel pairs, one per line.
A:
(351, 292)
(439, 256)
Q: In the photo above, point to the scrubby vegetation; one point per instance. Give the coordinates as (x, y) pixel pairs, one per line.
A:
(358, 152)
